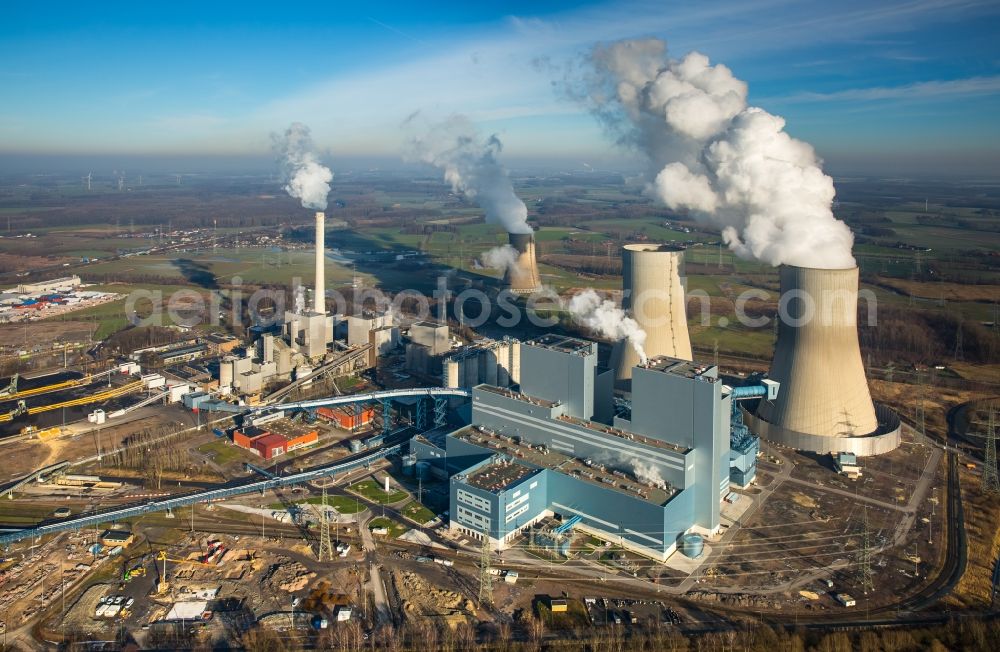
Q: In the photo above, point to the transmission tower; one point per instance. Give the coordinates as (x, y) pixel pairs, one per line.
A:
(325, 544)
(485, 574)
(991, 483)
(865, 560)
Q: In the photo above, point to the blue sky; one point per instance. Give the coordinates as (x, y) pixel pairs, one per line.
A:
(875, 86)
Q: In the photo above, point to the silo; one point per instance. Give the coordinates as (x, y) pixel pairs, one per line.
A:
(450, 374)
(488, 365)
(692, 545)
(503, 363)
(652, 294)
(423, 470)
(824, 404)
(515, 362)
(470, 369)
(226, 371)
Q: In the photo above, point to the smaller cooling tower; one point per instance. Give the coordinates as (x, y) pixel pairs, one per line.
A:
(654, 297)
(824, 404)
(522, 277)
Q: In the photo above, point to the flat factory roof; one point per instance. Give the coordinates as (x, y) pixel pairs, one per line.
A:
(497, 475)
(549, 458)
(561, 343)
(517, 396)
(289, 429)
(684, 368)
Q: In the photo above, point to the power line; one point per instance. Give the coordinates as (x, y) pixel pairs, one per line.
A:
(991, 482)
(865, 560)
(325, 544)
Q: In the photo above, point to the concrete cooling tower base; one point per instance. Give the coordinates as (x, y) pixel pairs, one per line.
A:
(885, 439)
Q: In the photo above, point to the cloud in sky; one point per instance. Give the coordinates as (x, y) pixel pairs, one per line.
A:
(355, 96)
(924, 90)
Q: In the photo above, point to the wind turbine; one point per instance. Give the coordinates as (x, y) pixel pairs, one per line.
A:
(87, 179)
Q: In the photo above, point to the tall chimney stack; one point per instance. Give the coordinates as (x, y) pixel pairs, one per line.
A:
(522, 277)
(653, 296)
(319, 298)
(824, 405)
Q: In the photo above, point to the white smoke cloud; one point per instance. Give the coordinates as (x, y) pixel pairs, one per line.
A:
(731, 165)
(470, 165)
(646, 472)
(304, 176)
(604, 317)
(502, 258)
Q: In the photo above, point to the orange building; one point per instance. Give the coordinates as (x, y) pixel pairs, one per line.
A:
(347, 417)
(278, 439)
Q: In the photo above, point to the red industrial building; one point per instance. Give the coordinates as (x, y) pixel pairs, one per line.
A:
(269, 444)
(347, 417)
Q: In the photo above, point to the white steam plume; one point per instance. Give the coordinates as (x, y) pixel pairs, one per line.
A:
(305, 178)
(646, 472)
(470, 165)
(731, 165)
(502, 257)
(604, 317)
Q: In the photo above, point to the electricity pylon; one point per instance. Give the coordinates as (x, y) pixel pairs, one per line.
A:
(325, 544)
(865, 560)
(991, 482)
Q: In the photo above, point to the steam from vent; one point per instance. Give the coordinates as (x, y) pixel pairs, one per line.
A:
(470, 165)
(501, 258)
(732, 166)
(647, 473)
(305, 178)
(604, 317)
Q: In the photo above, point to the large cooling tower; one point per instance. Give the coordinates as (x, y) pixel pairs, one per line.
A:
(824, 404)
(522, 277)
(654, 297)
(319, 300)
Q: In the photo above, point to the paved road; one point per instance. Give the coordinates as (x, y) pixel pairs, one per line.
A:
(382, 613)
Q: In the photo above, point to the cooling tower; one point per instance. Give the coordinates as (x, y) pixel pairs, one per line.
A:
(522, 277)
(319, 299)
(654, 297)
(824, 404)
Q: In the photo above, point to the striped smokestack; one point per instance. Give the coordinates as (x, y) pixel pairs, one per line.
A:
(319, 299)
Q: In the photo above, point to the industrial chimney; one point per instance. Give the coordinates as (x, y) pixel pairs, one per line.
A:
(824, 405)
(522, 277)
(319, 299)
(654, 297)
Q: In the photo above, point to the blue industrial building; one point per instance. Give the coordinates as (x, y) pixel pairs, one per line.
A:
(553, 446)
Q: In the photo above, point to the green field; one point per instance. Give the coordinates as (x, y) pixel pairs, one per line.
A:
(375, 493)
(395, 529)
(225, 452)
(419, 513)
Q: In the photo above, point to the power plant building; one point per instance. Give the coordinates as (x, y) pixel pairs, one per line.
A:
(640, 482)
(493, 362)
